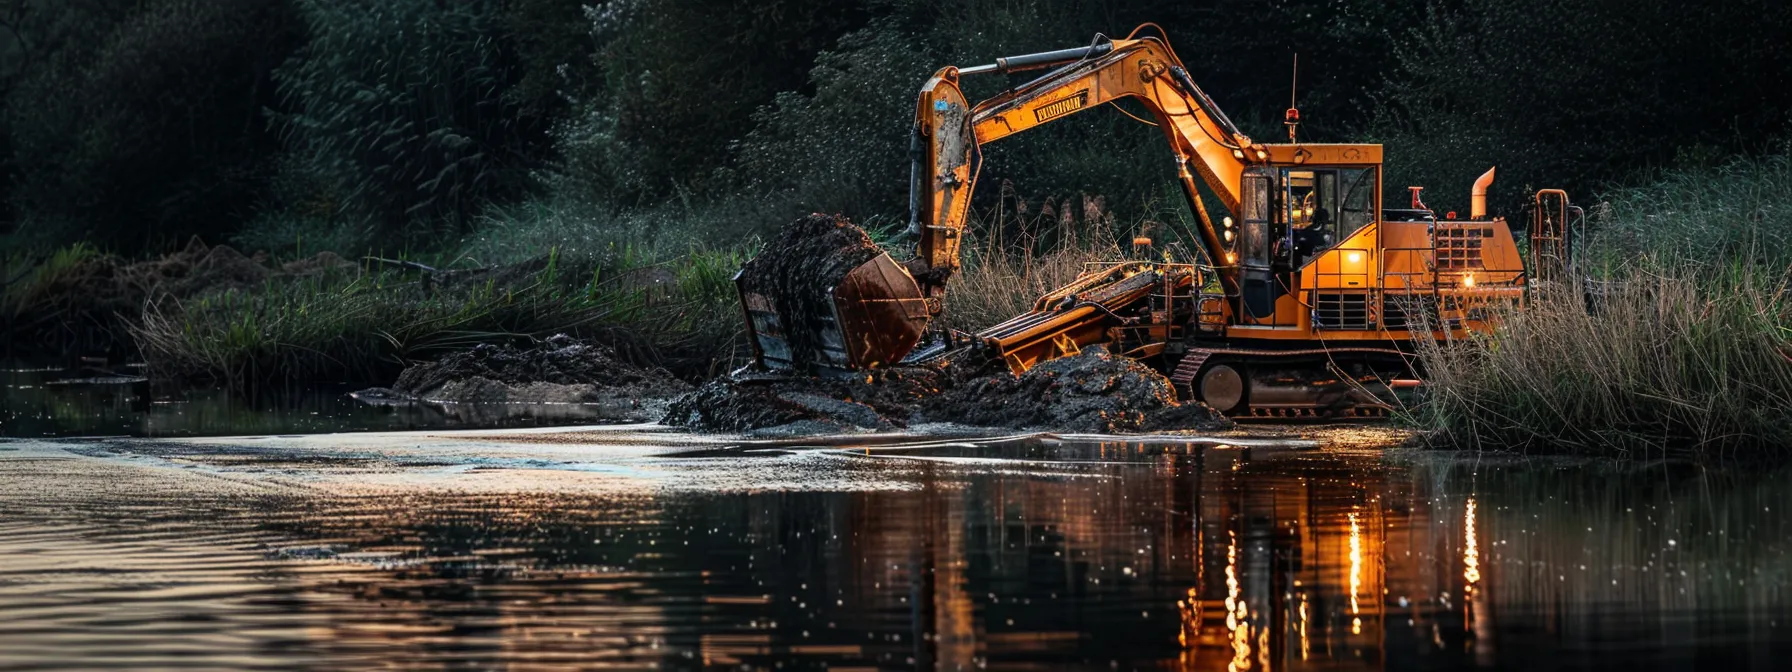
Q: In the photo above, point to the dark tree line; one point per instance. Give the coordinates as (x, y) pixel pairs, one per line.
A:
(137, 123)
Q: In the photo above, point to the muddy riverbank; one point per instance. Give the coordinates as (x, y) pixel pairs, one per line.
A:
(1092, 392)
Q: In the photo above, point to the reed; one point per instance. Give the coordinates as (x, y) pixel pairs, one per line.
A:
(1678, 340)
(1013, 254)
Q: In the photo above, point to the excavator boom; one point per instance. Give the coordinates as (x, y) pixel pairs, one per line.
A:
(875, 313)
(1204, 143)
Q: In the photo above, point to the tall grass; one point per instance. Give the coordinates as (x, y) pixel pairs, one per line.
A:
(1015, 253)
(1664, 365)
(1678, 341)
(32, 282)
(364, 327)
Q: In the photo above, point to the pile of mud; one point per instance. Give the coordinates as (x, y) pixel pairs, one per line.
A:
(1092, 392)
(798, 269)
(882, 400)
(1095, 392)
(558, 370)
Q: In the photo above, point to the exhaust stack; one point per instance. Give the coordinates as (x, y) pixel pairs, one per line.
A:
(1477, 202)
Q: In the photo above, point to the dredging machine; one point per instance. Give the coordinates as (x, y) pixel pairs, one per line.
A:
(1309, 296)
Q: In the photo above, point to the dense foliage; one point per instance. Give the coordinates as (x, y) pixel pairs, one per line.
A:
(134, 124)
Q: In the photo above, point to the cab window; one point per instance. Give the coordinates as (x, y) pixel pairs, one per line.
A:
(1322, 206)
(1357, 204)
(1254, 246)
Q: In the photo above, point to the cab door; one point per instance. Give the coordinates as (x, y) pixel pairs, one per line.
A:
(1256, 277)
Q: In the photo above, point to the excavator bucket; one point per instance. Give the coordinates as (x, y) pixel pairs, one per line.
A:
(823, 298)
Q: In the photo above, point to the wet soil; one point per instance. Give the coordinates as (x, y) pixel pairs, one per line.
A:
(1093, 392)
(557, 370)
(881, 400)
(798, 269)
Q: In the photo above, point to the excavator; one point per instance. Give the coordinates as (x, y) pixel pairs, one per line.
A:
(1308, 298)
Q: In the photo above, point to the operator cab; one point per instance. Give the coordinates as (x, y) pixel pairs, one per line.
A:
(1290, 214)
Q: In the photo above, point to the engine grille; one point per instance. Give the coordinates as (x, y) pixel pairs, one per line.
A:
(1459, 247)
(1342, 310)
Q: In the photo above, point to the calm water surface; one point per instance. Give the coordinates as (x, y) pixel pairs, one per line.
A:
(40, 401)
(639, 548)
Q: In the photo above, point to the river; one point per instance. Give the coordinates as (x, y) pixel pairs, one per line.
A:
(638, 546)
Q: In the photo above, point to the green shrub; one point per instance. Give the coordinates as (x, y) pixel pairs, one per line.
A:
(1708, 217)
(674, 309)
(402, 108)
(678, 80)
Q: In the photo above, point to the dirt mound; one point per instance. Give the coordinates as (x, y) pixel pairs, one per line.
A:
(215, 269)
(1094, 392)
(558, 370)
(881, 400)
(797, 269)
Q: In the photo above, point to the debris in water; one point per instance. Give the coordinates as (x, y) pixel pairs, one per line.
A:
(558, 370)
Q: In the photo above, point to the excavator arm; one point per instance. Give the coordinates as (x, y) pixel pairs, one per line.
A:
(949, 133)
(859, 314)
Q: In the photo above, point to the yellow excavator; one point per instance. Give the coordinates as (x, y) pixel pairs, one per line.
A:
(1311, 297)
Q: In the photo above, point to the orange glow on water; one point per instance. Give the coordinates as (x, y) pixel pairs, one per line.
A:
(1355, 574)
(1471, 556)
(1237, 614)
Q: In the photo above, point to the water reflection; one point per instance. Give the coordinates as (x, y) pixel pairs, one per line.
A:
(1124, 555)
(53, 402)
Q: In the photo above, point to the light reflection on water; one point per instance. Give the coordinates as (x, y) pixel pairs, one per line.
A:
(1079, 555)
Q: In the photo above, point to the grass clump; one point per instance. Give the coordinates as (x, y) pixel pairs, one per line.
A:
(1663, 365)
(48, 305)
(1678, 340)
(29, 281)
(363, 327)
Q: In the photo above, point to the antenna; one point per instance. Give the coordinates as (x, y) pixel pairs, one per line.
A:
(1292, 118)
(1294, 81)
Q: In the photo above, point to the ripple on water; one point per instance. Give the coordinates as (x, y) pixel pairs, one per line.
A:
(1024, 552)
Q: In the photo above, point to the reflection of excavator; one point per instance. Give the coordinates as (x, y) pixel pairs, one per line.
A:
(1313, 295)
